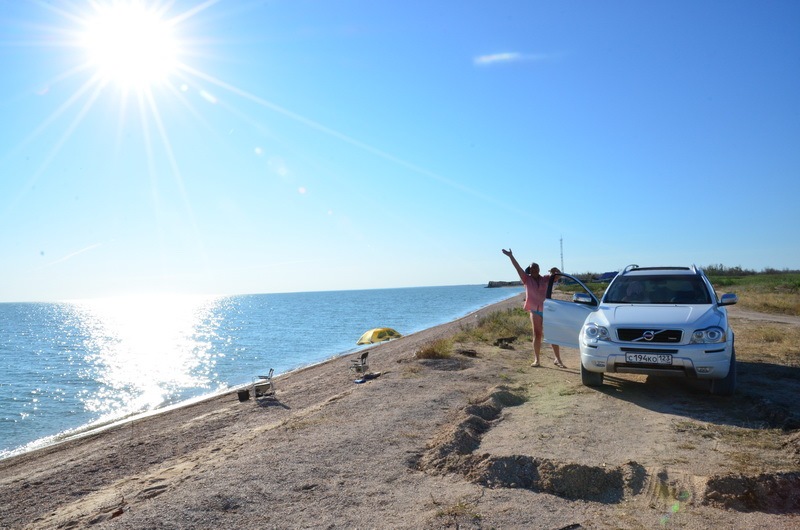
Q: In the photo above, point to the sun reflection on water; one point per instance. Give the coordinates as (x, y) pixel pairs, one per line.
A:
(142, 351)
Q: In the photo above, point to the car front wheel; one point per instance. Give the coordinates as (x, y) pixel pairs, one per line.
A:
(727, 385)
(591, 378)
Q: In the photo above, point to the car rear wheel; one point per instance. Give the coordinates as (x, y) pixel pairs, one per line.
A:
(591, 378)
(727, 385)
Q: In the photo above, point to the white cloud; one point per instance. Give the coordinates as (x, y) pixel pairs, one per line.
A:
(508, 57)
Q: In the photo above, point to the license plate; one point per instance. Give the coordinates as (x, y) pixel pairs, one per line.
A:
(648, 358)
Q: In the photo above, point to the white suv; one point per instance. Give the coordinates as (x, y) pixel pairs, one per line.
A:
(654, 321)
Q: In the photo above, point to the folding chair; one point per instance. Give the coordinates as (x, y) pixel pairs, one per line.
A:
(360, 365)
(264, 387)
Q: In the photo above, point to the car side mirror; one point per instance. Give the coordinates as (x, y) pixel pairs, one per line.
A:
(582, 298)
(728, 299)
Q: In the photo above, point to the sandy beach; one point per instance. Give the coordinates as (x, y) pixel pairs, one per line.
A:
(479, 440)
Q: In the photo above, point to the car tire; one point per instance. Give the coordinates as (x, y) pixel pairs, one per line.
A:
(727, 385)
(591, 378)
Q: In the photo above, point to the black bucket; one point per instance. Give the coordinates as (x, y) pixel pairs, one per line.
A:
(244, 394)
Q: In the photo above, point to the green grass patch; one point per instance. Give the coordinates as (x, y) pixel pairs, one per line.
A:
(780, 282)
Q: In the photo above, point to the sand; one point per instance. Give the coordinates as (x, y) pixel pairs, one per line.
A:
(480, 440)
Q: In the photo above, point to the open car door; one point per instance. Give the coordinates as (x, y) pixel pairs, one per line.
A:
(566, 307)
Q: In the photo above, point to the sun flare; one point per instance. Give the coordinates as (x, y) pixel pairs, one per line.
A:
(130, 44)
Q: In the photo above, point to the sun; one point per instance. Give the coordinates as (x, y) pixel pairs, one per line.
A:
(130, 44)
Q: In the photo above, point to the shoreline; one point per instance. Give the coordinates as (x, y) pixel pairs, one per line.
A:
(125, 472)
(100, 426)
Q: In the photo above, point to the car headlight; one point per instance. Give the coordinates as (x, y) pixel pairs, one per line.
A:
(593, 333)
(710, 335)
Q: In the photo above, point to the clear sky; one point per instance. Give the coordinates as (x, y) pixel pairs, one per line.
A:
(233, 146)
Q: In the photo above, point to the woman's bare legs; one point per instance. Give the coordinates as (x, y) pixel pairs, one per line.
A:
(536, 323)
(538, 331)
(557, 352)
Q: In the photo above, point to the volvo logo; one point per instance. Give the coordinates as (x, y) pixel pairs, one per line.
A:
(649, 335)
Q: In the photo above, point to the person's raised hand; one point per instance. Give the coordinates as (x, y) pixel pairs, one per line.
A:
(507, 252)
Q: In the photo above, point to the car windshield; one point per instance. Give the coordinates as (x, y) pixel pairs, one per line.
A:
(658, 289)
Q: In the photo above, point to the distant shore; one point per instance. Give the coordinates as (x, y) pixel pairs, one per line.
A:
(494, 284)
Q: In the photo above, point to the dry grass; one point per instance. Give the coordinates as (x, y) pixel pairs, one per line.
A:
(787, 303)
(766, 293)
(411, 371)
(767, 342)
(762, 441)
(510, 323)
(438, 349)
(746, 436)
(460, 510)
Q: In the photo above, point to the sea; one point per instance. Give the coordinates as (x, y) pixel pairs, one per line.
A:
(68, 368)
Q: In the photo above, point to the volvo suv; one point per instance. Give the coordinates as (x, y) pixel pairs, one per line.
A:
(661, 321)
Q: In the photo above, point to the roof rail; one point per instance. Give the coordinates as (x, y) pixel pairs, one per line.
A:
(664, 268)
(629, 268)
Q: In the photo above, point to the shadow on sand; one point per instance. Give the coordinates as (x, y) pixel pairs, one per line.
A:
(765, 397)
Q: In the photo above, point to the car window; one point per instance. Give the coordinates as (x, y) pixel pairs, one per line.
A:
(658, 289)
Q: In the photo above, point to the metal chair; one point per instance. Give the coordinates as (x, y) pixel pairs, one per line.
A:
(360, 365)
(264, 387)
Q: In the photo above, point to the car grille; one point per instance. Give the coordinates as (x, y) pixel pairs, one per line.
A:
(650, 335)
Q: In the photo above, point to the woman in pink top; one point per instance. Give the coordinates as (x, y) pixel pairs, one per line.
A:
(535, 293)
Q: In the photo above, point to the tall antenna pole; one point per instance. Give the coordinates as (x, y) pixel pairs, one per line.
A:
(562, 252)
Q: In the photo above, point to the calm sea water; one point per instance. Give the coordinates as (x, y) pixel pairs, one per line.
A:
(73, 366)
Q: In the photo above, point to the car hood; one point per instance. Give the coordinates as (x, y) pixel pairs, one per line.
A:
(663, 315)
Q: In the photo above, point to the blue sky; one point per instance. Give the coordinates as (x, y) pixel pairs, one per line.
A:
(323, 145)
